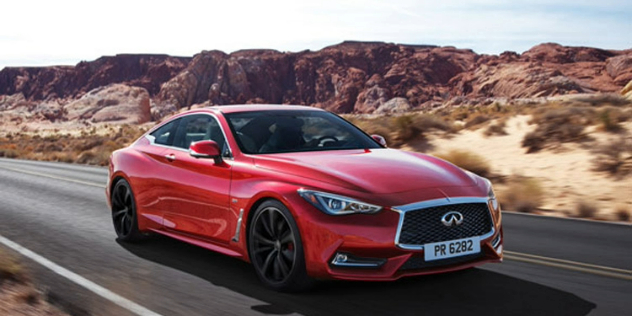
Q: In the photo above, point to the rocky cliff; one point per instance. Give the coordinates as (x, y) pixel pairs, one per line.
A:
(359, 77)
(46, 83)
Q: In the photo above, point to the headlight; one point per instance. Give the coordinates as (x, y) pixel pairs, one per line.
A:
(337, 205)
(491, 195)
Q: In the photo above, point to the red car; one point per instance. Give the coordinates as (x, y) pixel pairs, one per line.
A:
(302, 194)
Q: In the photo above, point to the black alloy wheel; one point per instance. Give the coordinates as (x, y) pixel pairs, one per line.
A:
(124, 212)
(276, 250)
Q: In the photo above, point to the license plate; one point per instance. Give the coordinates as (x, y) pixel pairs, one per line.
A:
(452, 248)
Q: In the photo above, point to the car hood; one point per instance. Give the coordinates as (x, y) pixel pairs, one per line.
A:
(376, 170)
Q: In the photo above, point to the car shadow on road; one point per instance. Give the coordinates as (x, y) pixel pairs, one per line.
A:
(469, 292)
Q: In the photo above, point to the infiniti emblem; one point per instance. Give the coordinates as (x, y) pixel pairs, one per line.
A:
(452, 219)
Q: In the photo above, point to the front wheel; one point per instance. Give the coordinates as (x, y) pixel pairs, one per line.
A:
(124, 215)
(276, 250)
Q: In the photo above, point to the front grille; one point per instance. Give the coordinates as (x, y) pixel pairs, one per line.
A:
(415, 263)
(424, 225)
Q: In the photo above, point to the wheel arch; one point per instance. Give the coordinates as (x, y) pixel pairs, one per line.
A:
(250, 213)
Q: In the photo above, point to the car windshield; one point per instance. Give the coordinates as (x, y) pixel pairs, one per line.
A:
(282, 131)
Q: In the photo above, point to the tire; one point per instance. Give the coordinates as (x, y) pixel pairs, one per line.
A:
(124, 217)
(276, 250)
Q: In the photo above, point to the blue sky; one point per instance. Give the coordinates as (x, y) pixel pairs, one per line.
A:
(37, 32)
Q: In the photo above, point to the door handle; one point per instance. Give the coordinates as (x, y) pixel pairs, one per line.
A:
(171, 157)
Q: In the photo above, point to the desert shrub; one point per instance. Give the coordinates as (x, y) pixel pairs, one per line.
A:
(101, 157)
(405, 128)
(62, 157)
(47, 147)
(399, 130)
(622, 214)
(86, 144)
(609, 121)
(496, 129)
(9, 153)
(468, 161)
(375, 126)
(477, 120)
(97, 156)
(522, 195)
(460, 113)
(601, 99)
(427, 122)
(557, 125)
(86, 157)
(614, 157)
(586, 210)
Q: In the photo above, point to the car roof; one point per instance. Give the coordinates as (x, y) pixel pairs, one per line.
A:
(226, 109)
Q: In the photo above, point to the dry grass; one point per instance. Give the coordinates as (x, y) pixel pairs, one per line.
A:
(403, 129)
(468, 161)
(88, 147)
(565, 121)
(477, 120)
(18, 296)
(10, 268)
(558, 125)
(522, 195)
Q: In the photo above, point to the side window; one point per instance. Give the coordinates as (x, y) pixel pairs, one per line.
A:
(195, 128)
(165, 134)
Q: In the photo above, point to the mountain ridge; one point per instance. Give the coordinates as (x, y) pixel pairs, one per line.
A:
(349, 77)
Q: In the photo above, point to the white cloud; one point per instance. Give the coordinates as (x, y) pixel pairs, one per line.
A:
(65, 31)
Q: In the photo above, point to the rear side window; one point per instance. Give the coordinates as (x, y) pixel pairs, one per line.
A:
(195, 128)
(165, 134)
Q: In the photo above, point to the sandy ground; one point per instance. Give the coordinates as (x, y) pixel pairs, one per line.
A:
(564, 172)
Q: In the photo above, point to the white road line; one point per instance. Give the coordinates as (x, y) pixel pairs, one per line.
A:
(89, 285)
(55, 177)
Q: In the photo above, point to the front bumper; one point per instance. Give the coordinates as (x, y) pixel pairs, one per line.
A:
(365, 247)
(413, 263)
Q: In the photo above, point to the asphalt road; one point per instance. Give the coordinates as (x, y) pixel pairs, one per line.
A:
(553, 266)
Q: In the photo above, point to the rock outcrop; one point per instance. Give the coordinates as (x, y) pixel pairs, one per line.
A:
(46, 83)
(627, 90)
(113, 103)
(393, 106)
(358, 77)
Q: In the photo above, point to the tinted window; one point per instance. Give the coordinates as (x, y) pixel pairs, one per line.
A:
(164, 135)
(294, 131)
(195, 128)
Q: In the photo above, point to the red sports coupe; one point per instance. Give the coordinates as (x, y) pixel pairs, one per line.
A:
(302, 194)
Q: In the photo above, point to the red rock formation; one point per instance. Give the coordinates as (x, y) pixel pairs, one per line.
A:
(352, 76)
(41, 83)
(349, 77)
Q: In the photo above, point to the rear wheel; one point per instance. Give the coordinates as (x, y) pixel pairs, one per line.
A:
(276, 250)
(124, 212)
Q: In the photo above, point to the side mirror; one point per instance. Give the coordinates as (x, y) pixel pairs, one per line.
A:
(379, 139)
(206, 149)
